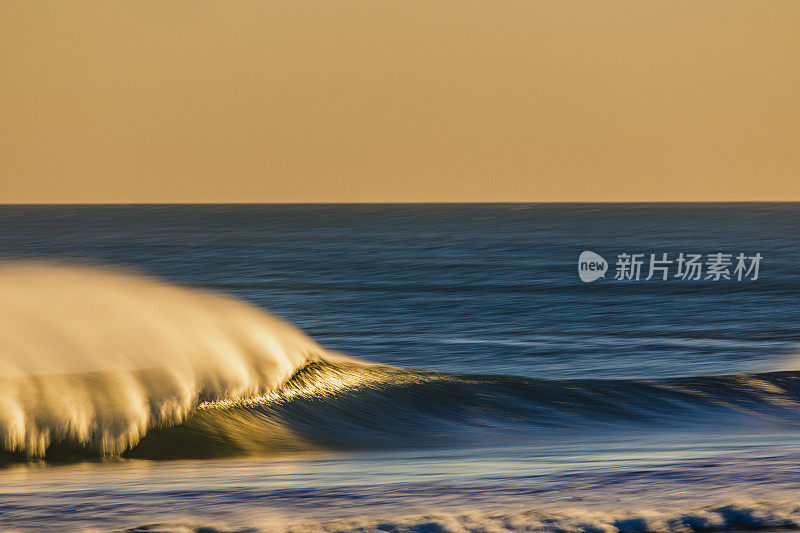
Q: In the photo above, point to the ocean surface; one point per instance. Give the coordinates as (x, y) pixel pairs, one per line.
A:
(417, 368)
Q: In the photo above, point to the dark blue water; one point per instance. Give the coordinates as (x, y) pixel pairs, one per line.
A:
(475, 290)
(464, 288)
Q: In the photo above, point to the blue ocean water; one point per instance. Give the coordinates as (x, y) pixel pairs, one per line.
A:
(538, 401)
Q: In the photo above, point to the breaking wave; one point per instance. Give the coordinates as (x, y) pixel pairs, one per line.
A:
(95, 362)
(95, 359)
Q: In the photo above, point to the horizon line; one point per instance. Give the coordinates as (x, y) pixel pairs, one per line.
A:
(457, 202)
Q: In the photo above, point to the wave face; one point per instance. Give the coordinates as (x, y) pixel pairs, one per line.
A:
(350, 405)
(104, 363)
(93, 359)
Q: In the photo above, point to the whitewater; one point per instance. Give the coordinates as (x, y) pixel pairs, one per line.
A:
(95, 359)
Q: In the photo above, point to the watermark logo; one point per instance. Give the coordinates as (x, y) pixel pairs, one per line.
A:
(717, 266)
(591, 266)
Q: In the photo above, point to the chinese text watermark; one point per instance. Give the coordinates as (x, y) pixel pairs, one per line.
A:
(716, 266)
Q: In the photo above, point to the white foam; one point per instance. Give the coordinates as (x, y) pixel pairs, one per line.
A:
(97, 357)
(739, 516)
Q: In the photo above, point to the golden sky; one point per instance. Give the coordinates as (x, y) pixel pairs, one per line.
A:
(399, 100)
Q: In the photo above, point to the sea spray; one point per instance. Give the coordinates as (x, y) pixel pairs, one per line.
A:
(95, 358)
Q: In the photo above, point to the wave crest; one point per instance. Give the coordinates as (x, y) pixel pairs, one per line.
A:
(95, 359)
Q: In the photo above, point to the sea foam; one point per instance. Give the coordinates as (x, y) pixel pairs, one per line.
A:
(95, 358)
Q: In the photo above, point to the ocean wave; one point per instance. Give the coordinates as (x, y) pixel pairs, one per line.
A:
(94, 359)
(350, 406)
(97, 363)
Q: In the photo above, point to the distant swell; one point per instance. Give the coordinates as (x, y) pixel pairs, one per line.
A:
(97, 363)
